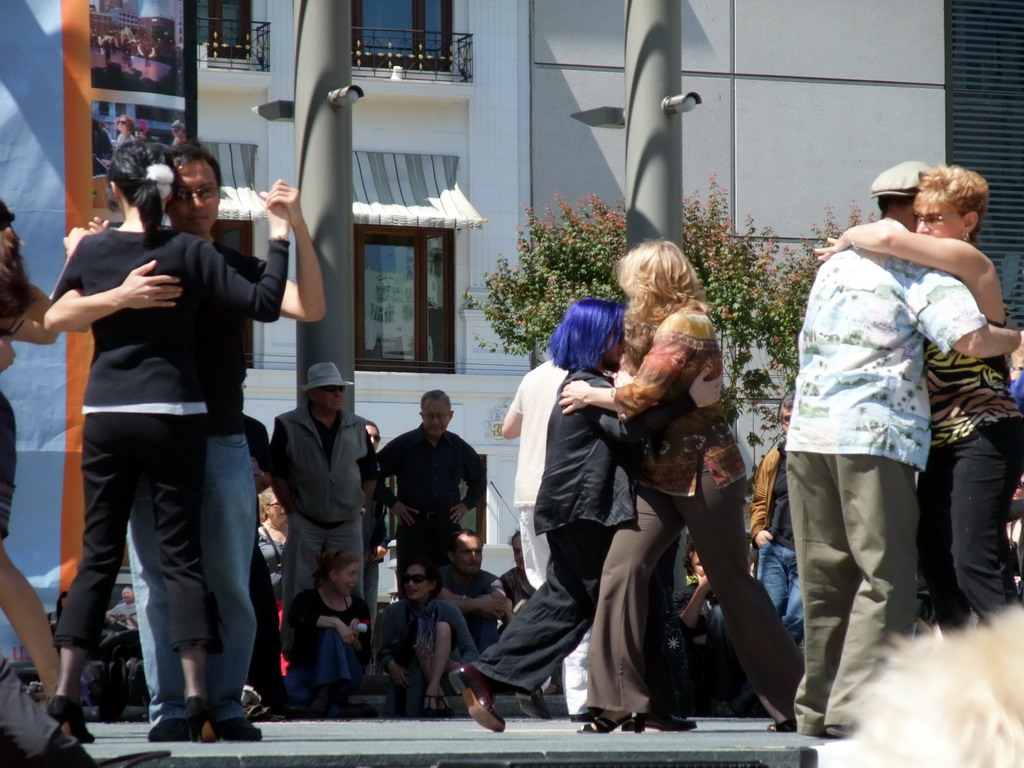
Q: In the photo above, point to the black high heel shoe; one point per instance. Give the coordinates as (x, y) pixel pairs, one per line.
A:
(628, 722)
(197, 716)
(69, 714)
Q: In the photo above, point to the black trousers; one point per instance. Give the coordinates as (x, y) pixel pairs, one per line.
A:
(424, 538)
(557, 615)
(265, 664)
(120, 450)
(27, 736)
(965, 495)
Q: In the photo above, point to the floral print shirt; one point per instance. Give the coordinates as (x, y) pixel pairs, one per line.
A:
(683, 345)
(861, 387)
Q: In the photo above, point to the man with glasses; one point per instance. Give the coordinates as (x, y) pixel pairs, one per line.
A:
(228, 507)
(430, 463)
(324, 471)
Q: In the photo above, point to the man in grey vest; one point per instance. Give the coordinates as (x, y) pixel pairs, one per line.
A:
(324, 472)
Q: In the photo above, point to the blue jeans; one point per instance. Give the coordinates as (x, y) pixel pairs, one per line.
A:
(776, 570)
(336, 664)
(227, 532)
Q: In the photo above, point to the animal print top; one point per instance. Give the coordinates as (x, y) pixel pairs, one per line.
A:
(964, 393)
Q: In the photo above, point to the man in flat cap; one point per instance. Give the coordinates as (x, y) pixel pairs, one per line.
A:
(324, 472)
(860, 430)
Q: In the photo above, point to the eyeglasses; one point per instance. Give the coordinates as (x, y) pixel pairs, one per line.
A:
(931, 219)
(415, 578)
(331, 388)
(375, 438)
(202, 194)
(121, 122)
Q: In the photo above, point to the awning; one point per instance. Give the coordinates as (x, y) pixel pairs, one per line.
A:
(238, 198)
(402, 190)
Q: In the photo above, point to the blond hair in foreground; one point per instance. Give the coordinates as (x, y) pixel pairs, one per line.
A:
(950, 702)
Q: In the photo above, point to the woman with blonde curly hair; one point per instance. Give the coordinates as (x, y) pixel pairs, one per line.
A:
(977, 448)
(692, 476)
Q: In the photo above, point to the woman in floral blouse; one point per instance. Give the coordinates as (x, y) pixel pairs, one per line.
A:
(692, 476)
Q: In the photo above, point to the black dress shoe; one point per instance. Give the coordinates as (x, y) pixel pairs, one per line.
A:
(476, 690)
(669, 723)
(170, 729)
(237, 729)
(785, 726)
(71, 718)
(534, 705)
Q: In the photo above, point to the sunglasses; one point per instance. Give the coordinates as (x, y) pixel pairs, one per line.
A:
(415, 578)
(332, 388)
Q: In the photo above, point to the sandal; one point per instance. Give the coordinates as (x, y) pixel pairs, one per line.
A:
(438, 707)
(604, 724)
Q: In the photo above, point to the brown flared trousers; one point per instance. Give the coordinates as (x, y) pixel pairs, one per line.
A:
(767, 653)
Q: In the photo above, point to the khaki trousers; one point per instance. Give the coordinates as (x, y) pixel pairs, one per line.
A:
(855, 519)
(714, 518)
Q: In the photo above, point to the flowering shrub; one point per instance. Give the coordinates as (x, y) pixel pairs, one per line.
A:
(757, 287)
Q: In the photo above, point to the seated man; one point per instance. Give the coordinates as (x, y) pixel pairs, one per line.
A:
(125, 612)
(514, 582)
(475, 592)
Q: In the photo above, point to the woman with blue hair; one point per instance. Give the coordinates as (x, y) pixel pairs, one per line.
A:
(586, 492)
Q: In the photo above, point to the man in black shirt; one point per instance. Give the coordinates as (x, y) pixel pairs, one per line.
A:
(429, 464)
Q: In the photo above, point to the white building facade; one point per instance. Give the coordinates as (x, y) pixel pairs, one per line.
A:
(804, 102)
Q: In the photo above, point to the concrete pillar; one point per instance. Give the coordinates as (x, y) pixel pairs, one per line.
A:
(654, 141)
(323, 145)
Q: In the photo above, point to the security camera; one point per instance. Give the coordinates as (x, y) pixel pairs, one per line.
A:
(344, 97)
(676, 105)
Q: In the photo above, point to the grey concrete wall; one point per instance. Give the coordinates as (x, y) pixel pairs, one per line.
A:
(805, 101)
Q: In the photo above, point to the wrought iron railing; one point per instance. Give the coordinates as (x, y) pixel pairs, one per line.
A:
(231, 44)
(423, 55)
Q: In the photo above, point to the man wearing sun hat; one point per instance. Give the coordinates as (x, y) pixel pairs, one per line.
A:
(324, 472)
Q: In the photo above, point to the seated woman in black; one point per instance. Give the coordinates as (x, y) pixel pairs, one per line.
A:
(332, 643)
(423, 638)
(145, 414)
(714, 668)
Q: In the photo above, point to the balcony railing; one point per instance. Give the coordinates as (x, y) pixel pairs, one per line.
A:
(230, 44)
(423, 55)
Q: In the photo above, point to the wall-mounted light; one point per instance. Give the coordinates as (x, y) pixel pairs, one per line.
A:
(676, 105)
(344, 97)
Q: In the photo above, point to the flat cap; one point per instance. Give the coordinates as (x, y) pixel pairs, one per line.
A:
(900, 180)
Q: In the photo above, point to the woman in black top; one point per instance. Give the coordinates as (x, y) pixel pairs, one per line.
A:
(331, 646)
(145, 414)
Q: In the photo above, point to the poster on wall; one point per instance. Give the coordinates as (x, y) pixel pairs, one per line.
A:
(139, 75)
(126, 74)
